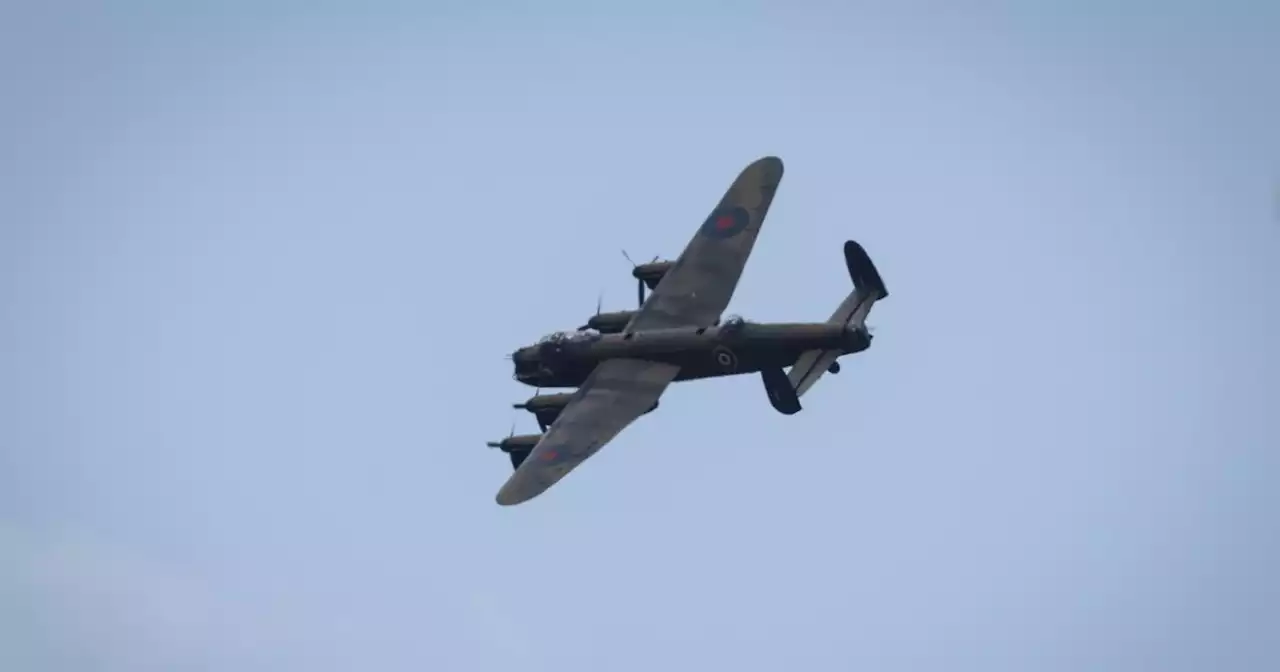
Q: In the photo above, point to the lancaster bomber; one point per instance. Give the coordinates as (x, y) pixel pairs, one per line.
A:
(622, 362)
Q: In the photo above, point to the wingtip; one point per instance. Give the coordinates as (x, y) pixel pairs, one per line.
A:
(506, 498)
(766, 170)
(770, 162)
(512, 492)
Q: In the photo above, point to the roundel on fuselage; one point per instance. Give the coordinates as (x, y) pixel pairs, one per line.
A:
(725, 358)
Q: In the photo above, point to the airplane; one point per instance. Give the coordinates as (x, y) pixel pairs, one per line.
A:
(676, 335)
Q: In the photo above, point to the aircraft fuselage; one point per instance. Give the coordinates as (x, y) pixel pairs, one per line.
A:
(709, 352)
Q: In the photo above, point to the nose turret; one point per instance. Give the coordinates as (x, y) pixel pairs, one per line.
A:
(526, 363)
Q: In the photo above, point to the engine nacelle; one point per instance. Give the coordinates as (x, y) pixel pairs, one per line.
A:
(545, 402)
(517, 447)
(547, 407)
(515, 443)
(610, 323)
(651, 273)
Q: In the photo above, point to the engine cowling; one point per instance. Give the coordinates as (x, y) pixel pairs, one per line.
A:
(651, 273)
(517, 447)
(610, 323)
(547, 407)
(517, 442)
(543, 402)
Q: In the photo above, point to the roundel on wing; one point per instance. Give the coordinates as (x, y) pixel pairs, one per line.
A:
(726, 222)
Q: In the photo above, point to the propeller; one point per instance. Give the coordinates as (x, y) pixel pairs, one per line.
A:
(524, 405)
(599, 304)
(498, 444)
(639, 282)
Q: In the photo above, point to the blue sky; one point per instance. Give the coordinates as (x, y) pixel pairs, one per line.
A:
(259, 269)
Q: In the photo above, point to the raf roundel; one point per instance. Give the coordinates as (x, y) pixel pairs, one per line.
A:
(726, 222)
(725, 358)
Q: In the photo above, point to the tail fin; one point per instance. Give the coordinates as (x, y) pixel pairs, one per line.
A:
(868, 288)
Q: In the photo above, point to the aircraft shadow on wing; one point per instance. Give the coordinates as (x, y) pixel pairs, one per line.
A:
(621, 362)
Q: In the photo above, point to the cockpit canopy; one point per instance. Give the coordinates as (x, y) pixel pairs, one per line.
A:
(570, 335)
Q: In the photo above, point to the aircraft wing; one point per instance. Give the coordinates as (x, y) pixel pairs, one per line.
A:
(616, 393)
(699, 285)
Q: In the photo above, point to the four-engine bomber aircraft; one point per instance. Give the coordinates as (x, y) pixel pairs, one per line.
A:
(676, 334)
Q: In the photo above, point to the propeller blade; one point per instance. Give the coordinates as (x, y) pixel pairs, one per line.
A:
(628, 258)
(493, 444)
(639, 293)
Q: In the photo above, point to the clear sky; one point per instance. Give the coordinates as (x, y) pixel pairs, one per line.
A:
(260, 267)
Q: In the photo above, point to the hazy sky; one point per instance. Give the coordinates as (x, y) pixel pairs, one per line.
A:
(259, 270)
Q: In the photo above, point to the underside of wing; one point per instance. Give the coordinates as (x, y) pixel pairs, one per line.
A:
(700, 284)
(616, 393)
